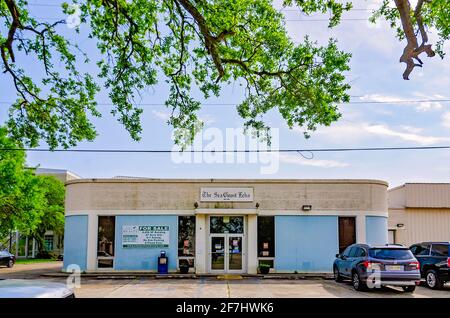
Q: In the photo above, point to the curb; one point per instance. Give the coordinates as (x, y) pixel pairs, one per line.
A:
(118, 276)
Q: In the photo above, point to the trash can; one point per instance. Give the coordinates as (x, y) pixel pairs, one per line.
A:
(163, 263)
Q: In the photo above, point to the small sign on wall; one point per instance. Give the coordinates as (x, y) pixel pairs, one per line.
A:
(145, 236)
(226, 194)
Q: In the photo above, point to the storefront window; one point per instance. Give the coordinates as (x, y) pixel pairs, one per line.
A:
(105, 248)
(186, 235)
(227, 224)
(266, 236)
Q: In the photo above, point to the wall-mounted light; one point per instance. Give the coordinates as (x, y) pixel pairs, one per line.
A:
(306, 207)
(196, 205)
(257, 205)
(400, 225)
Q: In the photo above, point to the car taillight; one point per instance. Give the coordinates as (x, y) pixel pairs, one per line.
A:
(415, 265)
(448, 262)
(372, 265)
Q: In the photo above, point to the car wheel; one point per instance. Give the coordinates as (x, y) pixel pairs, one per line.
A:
(432, 280)
(409, 289)
(337, 276)
(357, 283)
(10, 263)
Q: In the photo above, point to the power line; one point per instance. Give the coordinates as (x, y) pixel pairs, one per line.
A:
(288, 20)
(312, 150)
(394, 101)
(281, 10)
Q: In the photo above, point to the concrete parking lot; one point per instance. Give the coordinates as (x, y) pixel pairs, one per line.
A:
(211, 287)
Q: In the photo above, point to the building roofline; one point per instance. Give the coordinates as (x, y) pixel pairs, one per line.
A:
(397, 187)
(56, 171)
(425, 183)
(418, 183)
(212, 181)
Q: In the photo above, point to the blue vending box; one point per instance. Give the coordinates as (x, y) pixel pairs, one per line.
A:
(163, 263)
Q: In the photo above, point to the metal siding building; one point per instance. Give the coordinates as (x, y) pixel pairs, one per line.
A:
(219, 225)
(419, 212)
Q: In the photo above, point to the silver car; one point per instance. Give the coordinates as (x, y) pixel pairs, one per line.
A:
(31, 288)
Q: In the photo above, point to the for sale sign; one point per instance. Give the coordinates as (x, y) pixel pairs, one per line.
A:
(145, 236)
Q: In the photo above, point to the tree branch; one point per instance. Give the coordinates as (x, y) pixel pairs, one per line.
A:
(15, 15)
(412, 49)
(211, 41)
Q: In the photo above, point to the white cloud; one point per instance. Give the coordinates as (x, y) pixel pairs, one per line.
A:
(380, 98)
(161, 115)
(426, 106)
(397, 100)
(446, 120)
(385, 131)
(410, 129)
(356, 132)
(207, 119)
(299, 160)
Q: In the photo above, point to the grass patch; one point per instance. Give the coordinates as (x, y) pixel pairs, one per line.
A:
(33, 260)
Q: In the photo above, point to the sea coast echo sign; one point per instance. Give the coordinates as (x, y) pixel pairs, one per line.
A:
(226, 194)
(145, 236)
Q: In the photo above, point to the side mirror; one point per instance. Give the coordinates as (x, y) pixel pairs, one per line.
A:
(338, 255)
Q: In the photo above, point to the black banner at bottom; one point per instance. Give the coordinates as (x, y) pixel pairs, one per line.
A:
(207, 307)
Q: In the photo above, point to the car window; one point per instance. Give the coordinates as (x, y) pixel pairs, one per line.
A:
(347, 251)
(390, 253)
(360, 252)
(422, 250)
(353, 251)
(439, 250)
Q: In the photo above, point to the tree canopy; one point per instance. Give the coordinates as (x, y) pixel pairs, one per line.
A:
(52, 218)
(21, 199)
(29, 203)
(201, 43)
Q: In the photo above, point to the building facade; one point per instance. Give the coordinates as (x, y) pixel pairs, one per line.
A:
(419, 212)
(220, 226)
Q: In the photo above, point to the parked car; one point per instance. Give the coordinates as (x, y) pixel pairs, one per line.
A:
(376, 266)
(23, 288)
(434, 259)
(7, 259)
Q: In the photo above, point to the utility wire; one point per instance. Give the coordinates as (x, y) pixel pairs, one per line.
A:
(282, 9)
(288, 20)
(312, 150)
(395, 101)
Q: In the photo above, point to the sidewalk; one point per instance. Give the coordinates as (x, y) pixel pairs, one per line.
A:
(140, 274)
(53, 269)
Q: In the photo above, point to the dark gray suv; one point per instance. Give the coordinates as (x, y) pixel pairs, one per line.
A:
(375, 266)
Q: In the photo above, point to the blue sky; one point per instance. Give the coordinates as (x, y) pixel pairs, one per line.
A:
(375, 76)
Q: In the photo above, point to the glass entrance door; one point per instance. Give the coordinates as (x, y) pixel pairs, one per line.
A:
(218, 253)
(226, 253)
(234, 253)
(226, 244)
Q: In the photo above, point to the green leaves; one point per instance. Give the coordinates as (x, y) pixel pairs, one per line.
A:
(21, 201)
(203, 43)
(56, 106)
(188, 44)
(324, 6)
(28, 203)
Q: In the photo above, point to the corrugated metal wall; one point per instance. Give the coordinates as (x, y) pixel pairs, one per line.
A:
(428, 195)
(424, 225)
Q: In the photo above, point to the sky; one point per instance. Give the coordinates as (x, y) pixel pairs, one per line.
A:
(375, 76)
